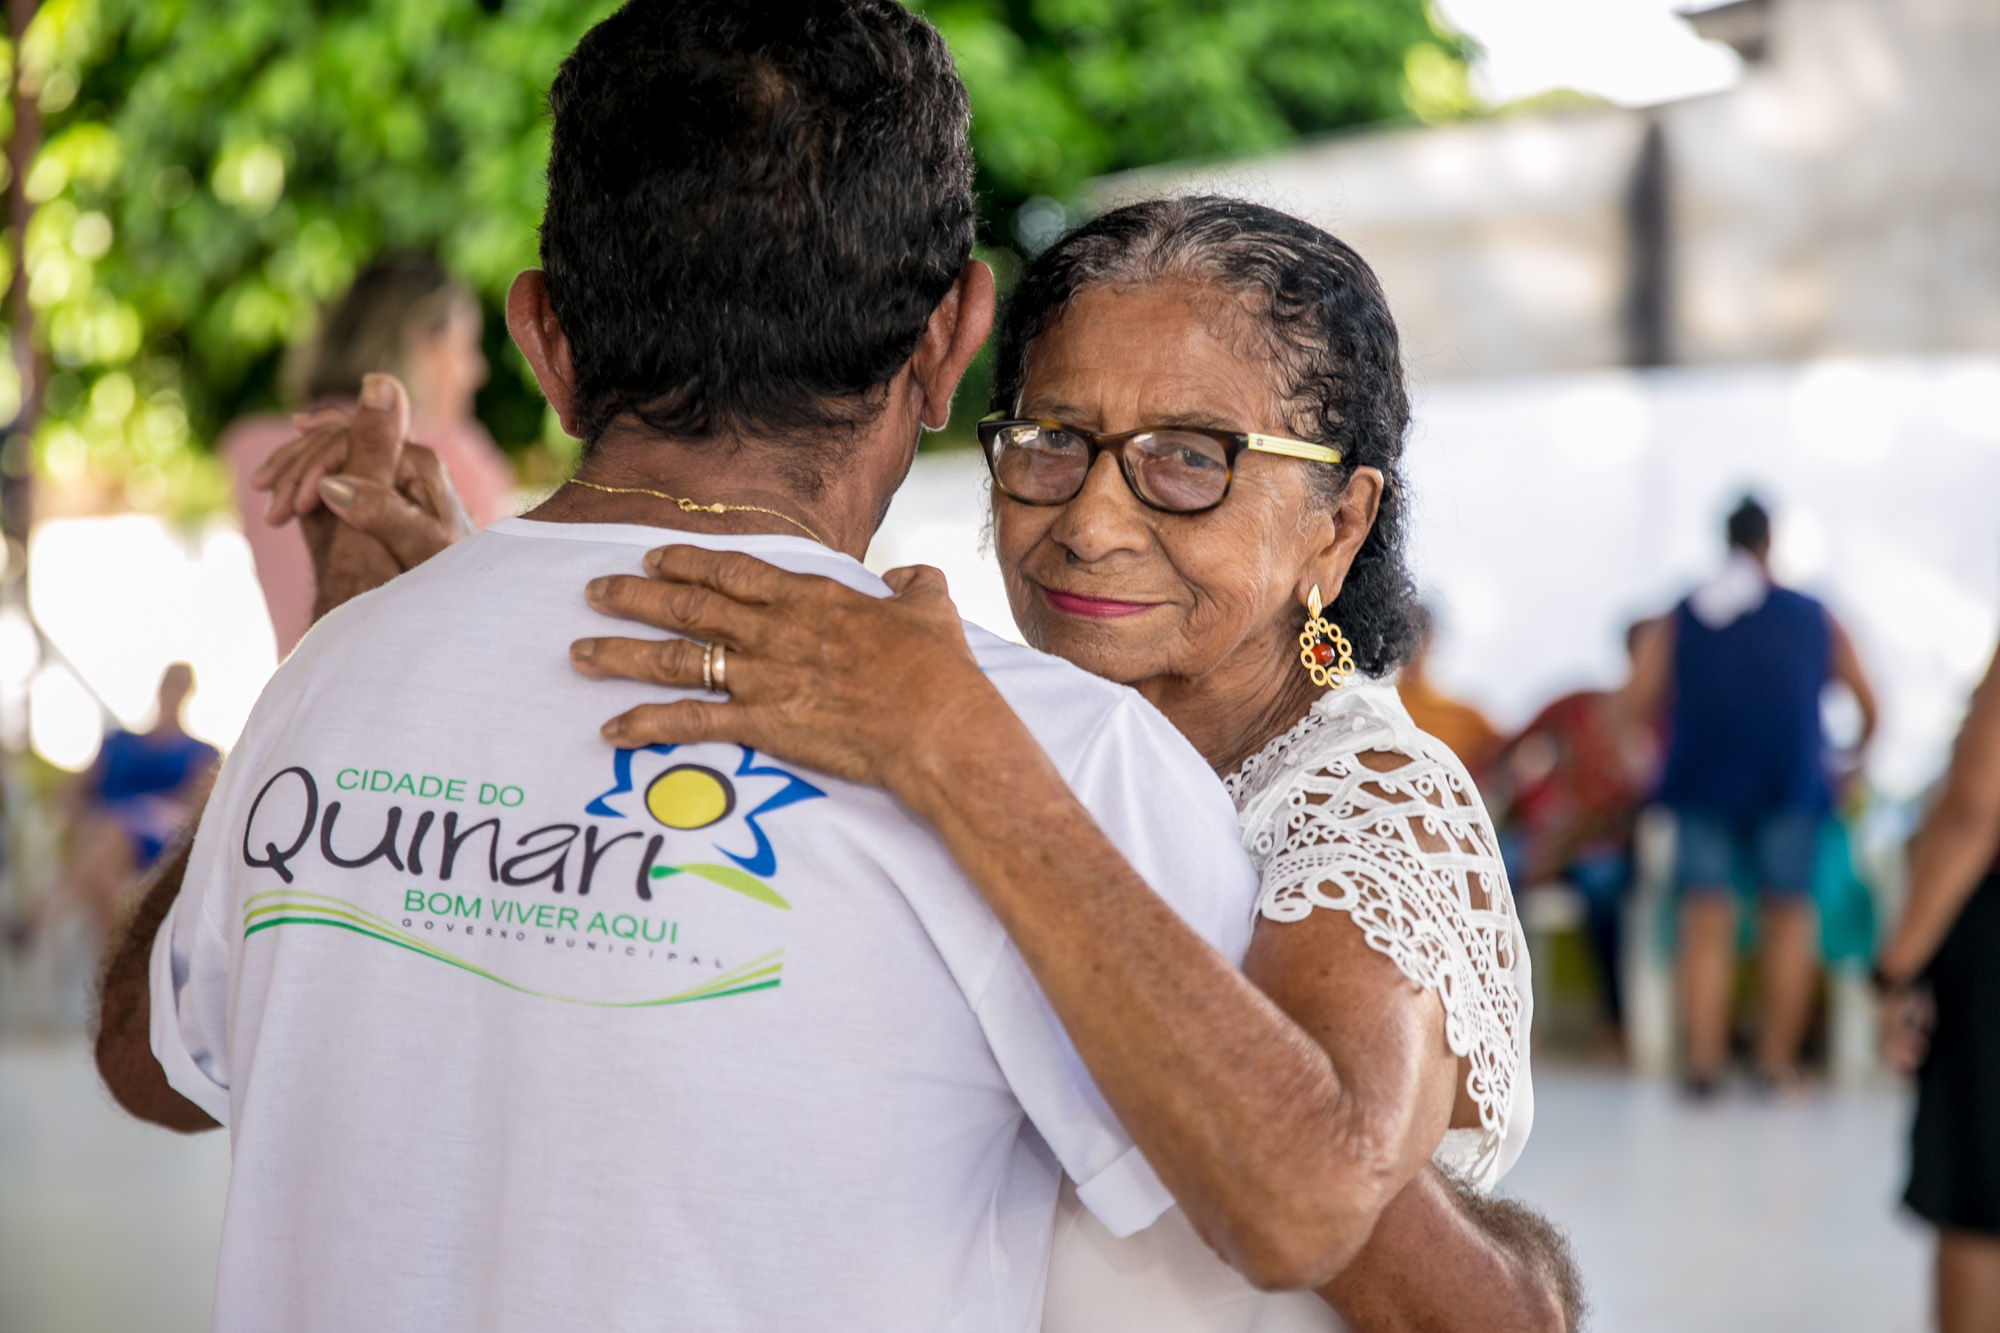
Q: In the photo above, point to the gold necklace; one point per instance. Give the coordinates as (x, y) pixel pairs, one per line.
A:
(690, 507)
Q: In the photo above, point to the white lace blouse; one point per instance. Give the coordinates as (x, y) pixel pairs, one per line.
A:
(1405, 847)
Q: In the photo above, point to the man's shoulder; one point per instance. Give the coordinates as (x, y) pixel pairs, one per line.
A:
(1049, 693)
(1017, 668)
(1097, 731)
(491, 577)
(1143, 782)
(489, 617)
(1796, 602)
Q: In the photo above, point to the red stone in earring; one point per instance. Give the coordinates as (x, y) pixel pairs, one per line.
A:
(1323, 650)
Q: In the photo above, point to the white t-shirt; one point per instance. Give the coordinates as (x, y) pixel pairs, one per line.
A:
(513, 1030)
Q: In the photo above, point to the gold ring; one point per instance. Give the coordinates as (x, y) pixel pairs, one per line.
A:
(721, 668)
(708, 668)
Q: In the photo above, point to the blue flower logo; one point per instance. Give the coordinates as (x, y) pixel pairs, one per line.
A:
(685, 795)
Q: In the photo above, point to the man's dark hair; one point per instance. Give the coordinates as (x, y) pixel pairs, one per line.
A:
(1749, 526)
(753, 210)
(1333, 352)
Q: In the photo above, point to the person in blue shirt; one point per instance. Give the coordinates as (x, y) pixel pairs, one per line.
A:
(130, 803)
(1738, 667)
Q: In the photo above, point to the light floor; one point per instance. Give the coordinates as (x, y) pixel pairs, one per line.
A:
(107, 1225)
(1731, 1217)
(1737, 1216)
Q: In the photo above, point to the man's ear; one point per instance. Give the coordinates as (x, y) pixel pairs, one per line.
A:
(1352, 517)
(957, 330)
(531, 321)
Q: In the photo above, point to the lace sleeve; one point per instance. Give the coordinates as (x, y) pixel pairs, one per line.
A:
(1398, 839)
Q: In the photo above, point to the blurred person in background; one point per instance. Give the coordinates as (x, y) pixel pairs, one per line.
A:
(404, 316)
(1568, 790)
(126, 807)
(1940, 982)
(1463, 728)
(1738, 667)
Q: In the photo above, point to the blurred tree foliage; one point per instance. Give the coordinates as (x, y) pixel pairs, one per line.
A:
(216, 169)
(212, 172)
(1064, 90)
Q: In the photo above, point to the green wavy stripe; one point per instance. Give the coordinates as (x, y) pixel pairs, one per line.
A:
(732, 985)
(360, 917)
(301, 900)
(758, 974)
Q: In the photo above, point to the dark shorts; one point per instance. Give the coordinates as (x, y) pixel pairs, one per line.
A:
(1955, 1140)
(1772, 852)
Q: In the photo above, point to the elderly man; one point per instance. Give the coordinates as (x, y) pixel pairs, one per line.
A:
(515, 1029)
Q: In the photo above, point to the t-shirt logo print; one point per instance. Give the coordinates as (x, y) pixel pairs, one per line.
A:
(689, 797)
(604, 893)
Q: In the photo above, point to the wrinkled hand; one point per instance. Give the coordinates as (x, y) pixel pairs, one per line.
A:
(363, 444)
(1907, 1017)
(415, 518)
(370, 503)
(817, 673)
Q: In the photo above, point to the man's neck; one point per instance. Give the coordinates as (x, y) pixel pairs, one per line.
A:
(646, 479)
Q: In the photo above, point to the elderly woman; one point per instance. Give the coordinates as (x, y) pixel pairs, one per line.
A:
(1197, 492)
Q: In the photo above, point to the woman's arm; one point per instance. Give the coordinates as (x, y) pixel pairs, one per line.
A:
(1957, 841)
(1282, 1121)
(1282, 1125)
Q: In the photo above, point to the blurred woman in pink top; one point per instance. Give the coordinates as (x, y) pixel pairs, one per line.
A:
(403, 316)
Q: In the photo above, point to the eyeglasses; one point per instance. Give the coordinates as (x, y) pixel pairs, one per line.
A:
(1175, 469)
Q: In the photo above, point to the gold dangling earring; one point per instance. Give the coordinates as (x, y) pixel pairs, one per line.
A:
(1329, 663)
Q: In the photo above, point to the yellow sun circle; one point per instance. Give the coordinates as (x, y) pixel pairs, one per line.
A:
(690, 797)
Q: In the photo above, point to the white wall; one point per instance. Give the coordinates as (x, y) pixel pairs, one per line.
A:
(1501, 243)
(1841, 200)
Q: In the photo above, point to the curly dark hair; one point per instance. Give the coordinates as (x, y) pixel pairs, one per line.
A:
(1332, 342)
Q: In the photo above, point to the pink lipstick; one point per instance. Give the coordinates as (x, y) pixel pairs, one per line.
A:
(1093, 608)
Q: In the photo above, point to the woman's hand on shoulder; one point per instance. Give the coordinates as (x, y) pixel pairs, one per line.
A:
(865, 688)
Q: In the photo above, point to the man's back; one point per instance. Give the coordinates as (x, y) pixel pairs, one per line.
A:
(515, 1030)
(1745, 733)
